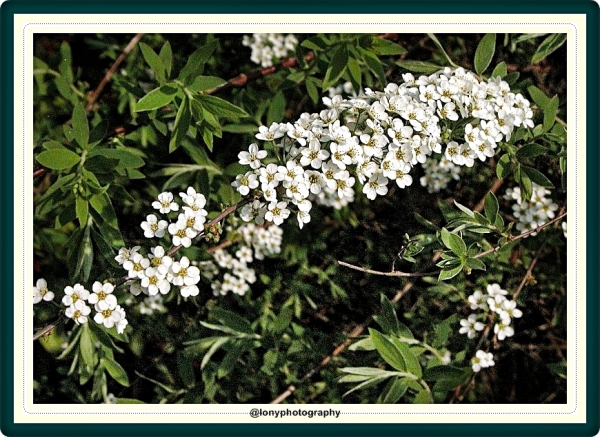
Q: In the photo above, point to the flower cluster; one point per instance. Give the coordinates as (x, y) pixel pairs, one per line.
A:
(108, 312)
(533, 213)
(439, 173)
(503, 310)
(41, 292)
(267, 47)
(375, 139)
(157, 271)
(482, 360)
(232, 272)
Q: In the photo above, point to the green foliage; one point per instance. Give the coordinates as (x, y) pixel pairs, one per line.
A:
(176, 117)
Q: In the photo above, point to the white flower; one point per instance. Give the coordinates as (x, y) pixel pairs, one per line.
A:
(269, 133)
(102, 296)
(75, 296)
(181, 234)
(136, 265)
(252, 157)
(509, 311)
(153, 227)
(482, 360)
(108, 317)
(125, 254)
(78, 313)
(189, 290)
(159, 260)
(377, 185)
(244, 183)
(123, 322)
(503, 331)
(277, 212)
(154, 281)
(478, 300)
(494, 290)
(470, 325)
(165, 203)
(182, 273)
(41, 292)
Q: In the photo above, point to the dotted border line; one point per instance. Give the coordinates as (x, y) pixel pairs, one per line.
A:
(312, 24)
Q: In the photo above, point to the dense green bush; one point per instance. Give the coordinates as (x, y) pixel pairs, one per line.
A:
(364, 218)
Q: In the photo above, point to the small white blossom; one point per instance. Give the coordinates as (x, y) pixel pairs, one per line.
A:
(41, 292)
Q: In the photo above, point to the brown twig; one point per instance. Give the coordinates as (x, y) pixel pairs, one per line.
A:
(111, 71)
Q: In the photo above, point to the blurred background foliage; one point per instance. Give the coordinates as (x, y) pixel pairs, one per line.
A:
(304, 304)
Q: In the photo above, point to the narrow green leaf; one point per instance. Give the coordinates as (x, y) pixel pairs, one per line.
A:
(538, 96)
(157, 98)
(419, 66)
(504, 168)
(374, 65)
(548, 46)
(449, 273)
(81, 129)
(442, 372)
(195, 64)
(499, 70)
(181, 125)
(410, 360)
(128, 401)
(64, 66)
(312, 91)
(81, 210)
(86, 347)
(221, 108)
(220, 341)
(368, 371)
(388, 351)
(115, 370)
(485, 52)
(453, 242)
(166, 56)
(550, 113)
(50, 145)
(386, 47)
(231, 319)
(531, 150)
(58, 159)
(337, 66)
(475, 264)
(537, 177)
(491, 207)
(441, 49)
(355, 73)
(394, 391)
(388, 320)
(155, 62)
(202, 83)
(276, 108)
(365, 344)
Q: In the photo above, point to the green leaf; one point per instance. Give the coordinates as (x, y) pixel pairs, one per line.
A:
(195, 64)
(475, 264)
(419, 66)
(128, 401)
(86, 347)
(58, 159)
(531, 150)
(442, 372)
(115, 370)
(388, 350)
(388, 320)
(283, 320)
(491, 207)
(312, 91)
(81, 210)
(64, 66)
(220, 341)
(157, 98)
(220, 108)
(81, 129)
(550, 113)
(538, 96)
(423, 397)
(368, 371)
(504, 167)
(337, 66)
(485, 52)
(276, 108)
(441, 48)
(374, 65)
(100, 164)
(499, 70)
(85, 257)
(365, 344)
(453, 242)
(181, 125)
(155, 62)
(537, 177)
(231, 319)
(449, 273)
(386, 47)
(355, 73)
(203, 83)
(411, 361)
(166, 56)
(394, 391)
(548, 46)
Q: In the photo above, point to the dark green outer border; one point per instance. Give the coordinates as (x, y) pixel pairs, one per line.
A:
(10, 8)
